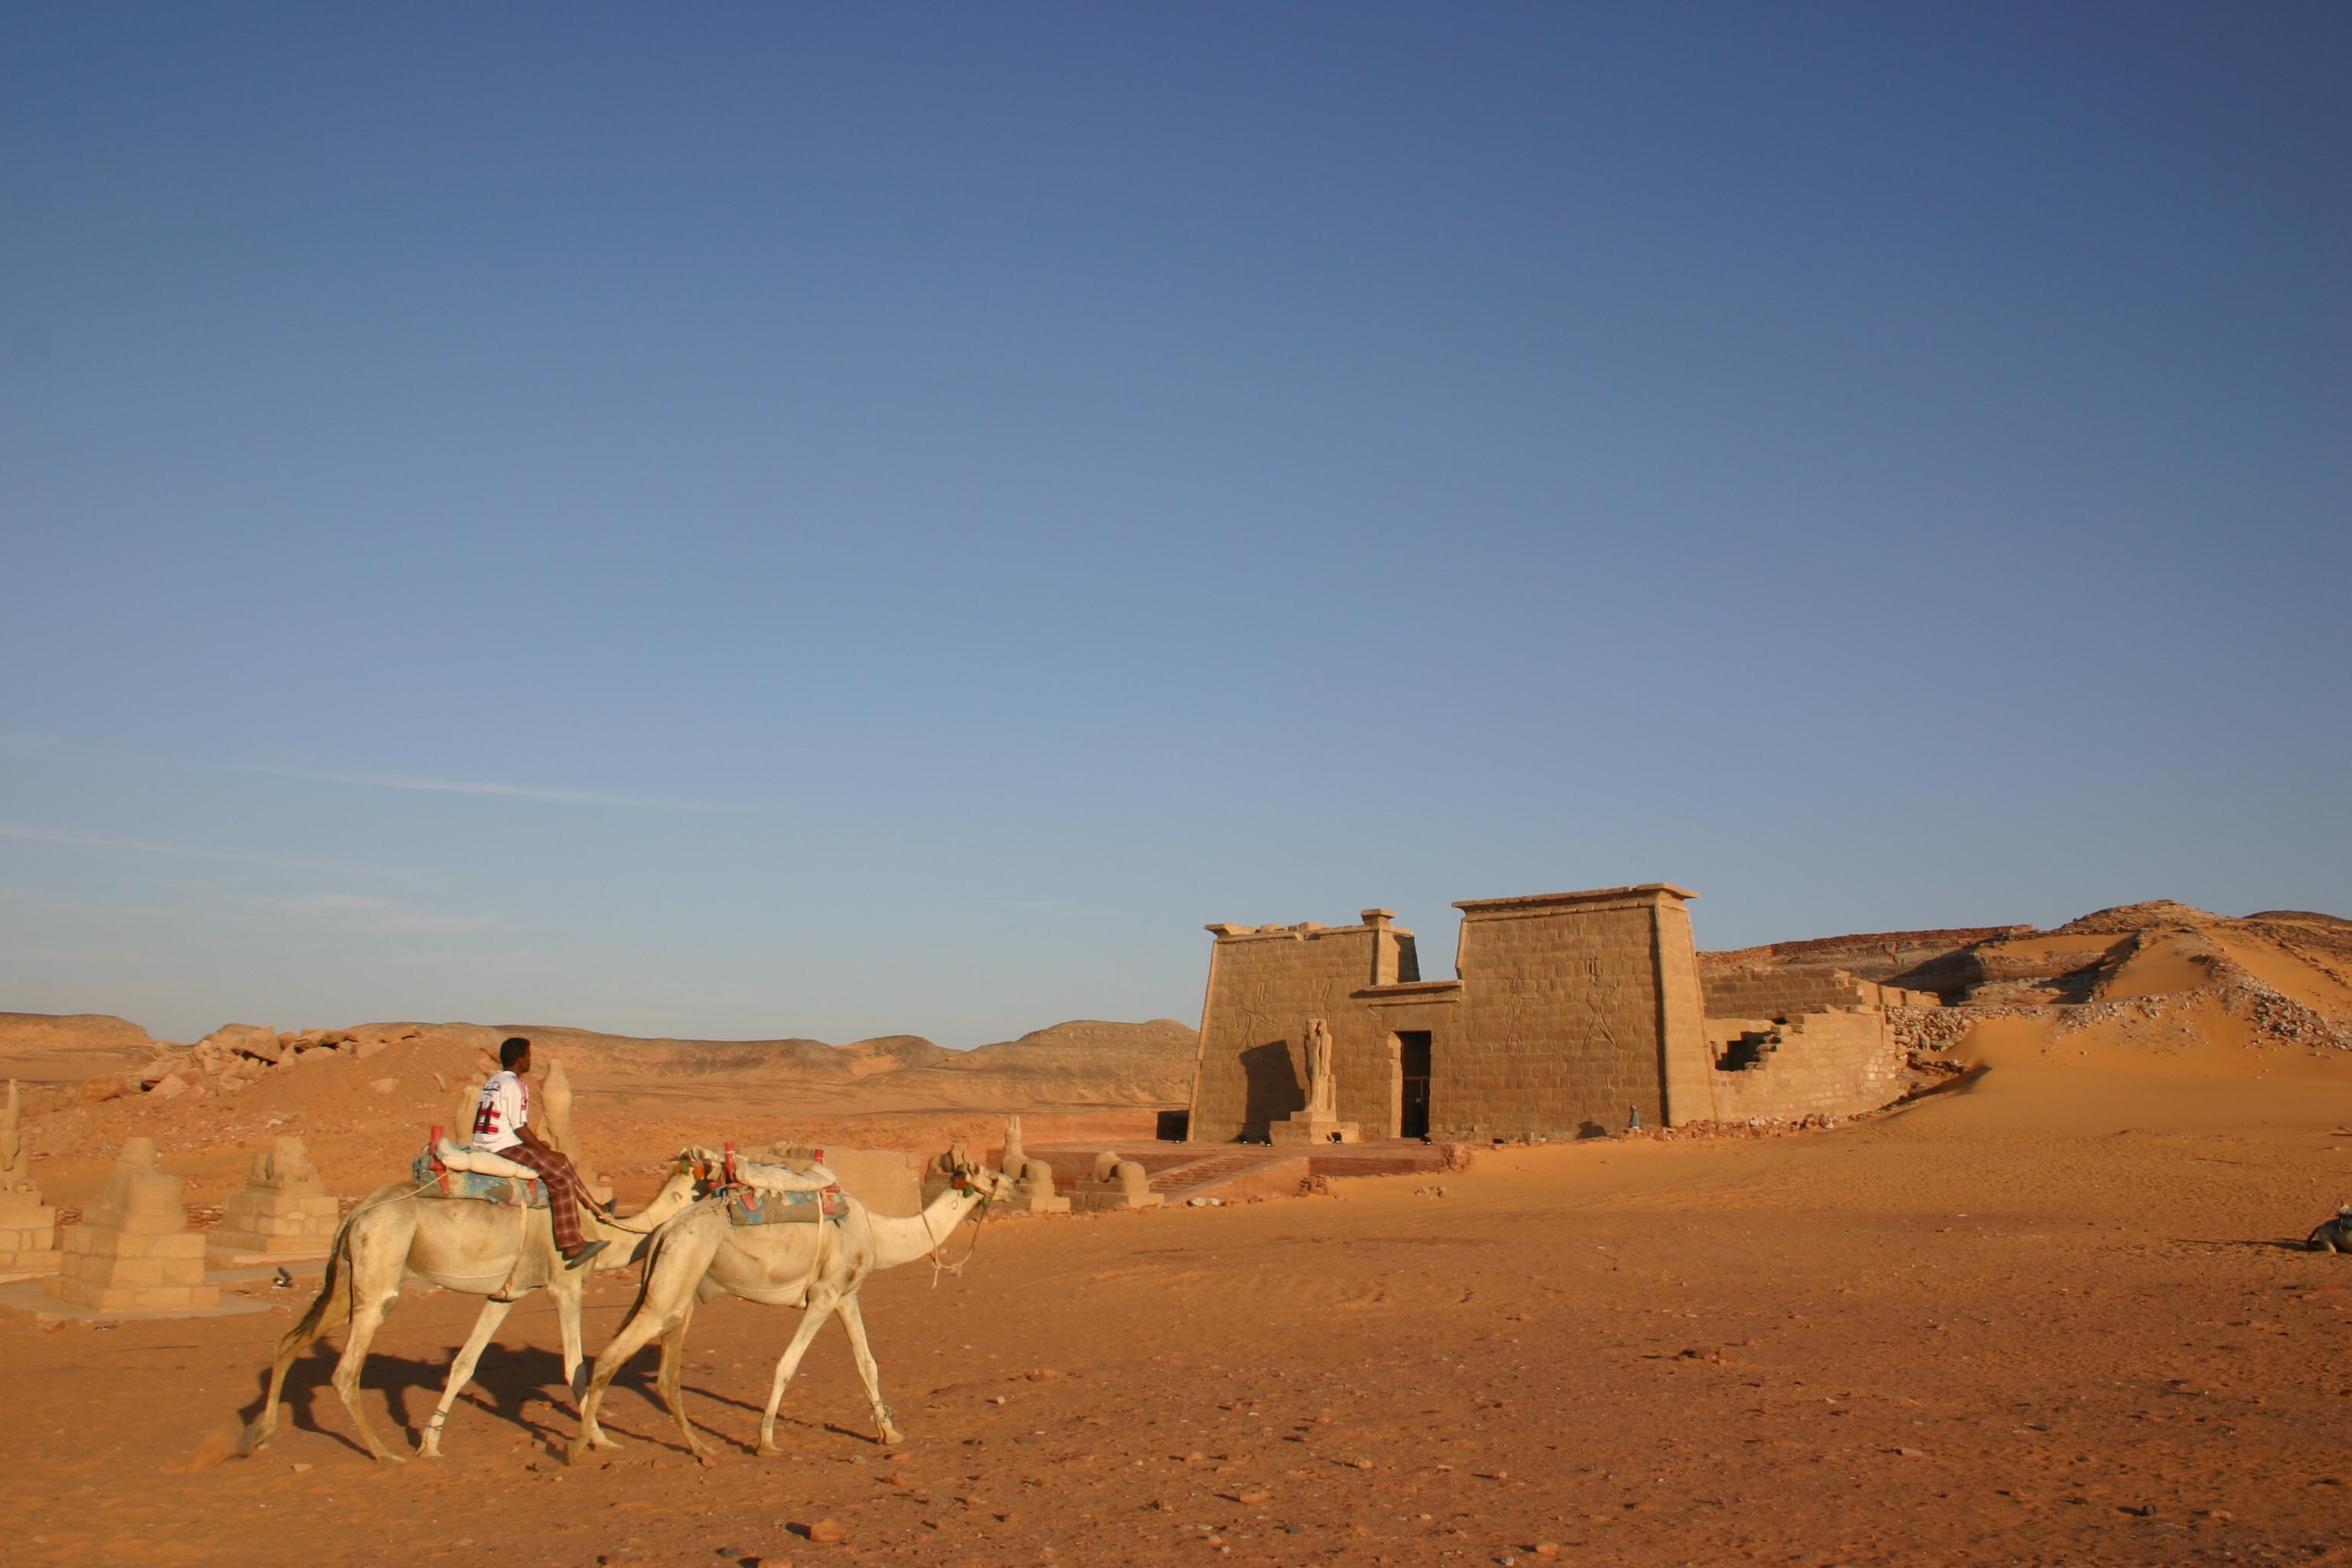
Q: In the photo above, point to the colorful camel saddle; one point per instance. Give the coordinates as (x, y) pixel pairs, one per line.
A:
(748, 1206)
(755, 1194)
(429, 1172)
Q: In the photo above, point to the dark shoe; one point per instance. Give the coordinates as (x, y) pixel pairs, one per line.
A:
(587, 1250)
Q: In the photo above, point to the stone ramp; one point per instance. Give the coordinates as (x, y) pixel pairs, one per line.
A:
(1181, 1171)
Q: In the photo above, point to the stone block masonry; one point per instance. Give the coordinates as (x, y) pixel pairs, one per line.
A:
(28, 1227)
(134, 1250)
(1575, 1015)
(284, 1210)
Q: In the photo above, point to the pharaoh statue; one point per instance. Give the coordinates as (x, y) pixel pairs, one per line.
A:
(1322, 1089)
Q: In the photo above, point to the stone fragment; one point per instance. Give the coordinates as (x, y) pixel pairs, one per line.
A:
(1116, 1183)
(246, 1039)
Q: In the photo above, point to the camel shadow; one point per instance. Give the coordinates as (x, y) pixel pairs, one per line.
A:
(2276, 1244)
(505, 1381)
(664, 1432)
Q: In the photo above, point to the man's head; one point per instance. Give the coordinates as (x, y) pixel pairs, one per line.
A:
(514, 1054)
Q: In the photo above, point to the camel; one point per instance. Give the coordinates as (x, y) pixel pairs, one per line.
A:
(459, 1244)
(698, 1256)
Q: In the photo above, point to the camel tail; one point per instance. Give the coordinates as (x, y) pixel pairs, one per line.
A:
(296, 1339)
(314, 1321)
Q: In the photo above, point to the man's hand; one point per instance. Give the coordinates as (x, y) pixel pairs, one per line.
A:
(530, 1135)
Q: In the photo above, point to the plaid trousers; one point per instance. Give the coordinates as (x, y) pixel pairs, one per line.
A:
(562, 1191)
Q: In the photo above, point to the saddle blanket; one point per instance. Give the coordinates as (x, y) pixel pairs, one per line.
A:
(744, 1208)
(481, 1188)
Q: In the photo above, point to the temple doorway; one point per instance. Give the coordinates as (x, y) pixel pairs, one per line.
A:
(1412, 1058)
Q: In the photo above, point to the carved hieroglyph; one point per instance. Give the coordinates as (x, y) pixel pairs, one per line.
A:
(285, 1210)
(28, 1227)
(134, 1250)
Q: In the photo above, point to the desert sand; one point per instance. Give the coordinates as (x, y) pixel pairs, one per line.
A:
(2059, 1312)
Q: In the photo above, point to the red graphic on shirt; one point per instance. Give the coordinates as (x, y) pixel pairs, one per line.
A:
(486, 1115)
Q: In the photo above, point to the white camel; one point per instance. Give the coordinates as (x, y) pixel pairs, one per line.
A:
(459, 1244)
(698, 1256)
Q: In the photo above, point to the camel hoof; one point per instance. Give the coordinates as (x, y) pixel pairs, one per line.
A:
(386, 1457)
(705, 1458)
(252, 1442)
(601, 1441)
(769, 1451)
(891, 1436)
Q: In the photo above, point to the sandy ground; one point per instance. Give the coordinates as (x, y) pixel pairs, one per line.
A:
(2054, 1318)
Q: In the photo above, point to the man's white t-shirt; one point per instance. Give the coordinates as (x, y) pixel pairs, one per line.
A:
(505, 1105)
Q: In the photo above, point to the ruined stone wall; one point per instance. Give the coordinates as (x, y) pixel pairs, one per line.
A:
(1264, 984)
(1824, 1064)
(1788, 993)
(1569, 1004)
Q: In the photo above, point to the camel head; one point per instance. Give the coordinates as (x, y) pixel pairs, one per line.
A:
(966, 1174)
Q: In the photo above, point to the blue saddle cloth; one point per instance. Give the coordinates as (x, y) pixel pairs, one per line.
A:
(745, 1207)
(481, 1188)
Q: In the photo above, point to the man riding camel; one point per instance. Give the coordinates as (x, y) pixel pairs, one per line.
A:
(502, 1126)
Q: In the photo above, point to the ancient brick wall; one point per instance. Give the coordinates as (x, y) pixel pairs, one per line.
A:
(1570, 1004)
(1816, 1064)
(1264, 984)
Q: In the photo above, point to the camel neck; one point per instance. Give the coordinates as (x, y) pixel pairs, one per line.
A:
(902, 1238)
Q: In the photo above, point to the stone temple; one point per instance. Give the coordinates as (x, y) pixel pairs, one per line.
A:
(1574, 1015)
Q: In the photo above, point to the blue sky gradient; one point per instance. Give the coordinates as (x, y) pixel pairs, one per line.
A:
(766, 521)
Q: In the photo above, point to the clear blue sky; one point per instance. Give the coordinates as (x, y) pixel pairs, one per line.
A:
(748, 520)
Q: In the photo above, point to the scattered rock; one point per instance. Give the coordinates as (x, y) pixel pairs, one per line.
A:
(826, 1531)
(384, 1085)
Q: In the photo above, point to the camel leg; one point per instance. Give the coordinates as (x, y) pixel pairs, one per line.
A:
(329, 1311)
(633, 1337)
(852, 1320)
(367, 1316)
(567, 1324)
(812, 1319)
(673, 1392)
(461, 1372)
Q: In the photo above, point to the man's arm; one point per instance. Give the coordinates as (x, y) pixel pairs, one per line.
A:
(530, 1135)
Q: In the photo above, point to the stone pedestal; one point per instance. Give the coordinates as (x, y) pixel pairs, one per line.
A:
(28, 1227)
(28, 1237)
(134, 1250)
(285, 1210)
(1301, 1128)
(1115, 1184)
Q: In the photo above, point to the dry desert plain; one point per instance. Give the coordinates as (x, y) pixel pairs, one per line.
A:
(2059, 1313)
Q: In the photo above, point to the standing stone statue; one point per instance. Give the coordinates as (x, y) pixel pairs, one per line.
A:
(1322, 1089)
(1317, 1122)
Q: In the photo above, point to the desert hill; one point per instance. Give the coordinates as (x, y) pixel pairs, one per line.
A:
(70, 1045)
(2162, 975)
(364, 1097)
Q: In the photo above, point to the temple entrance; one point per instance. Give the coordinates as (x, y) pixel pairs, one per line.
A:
(1412, 1058)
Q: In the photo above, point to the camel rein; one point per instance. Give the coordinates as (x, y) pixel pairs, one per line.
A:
(941, 1266)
